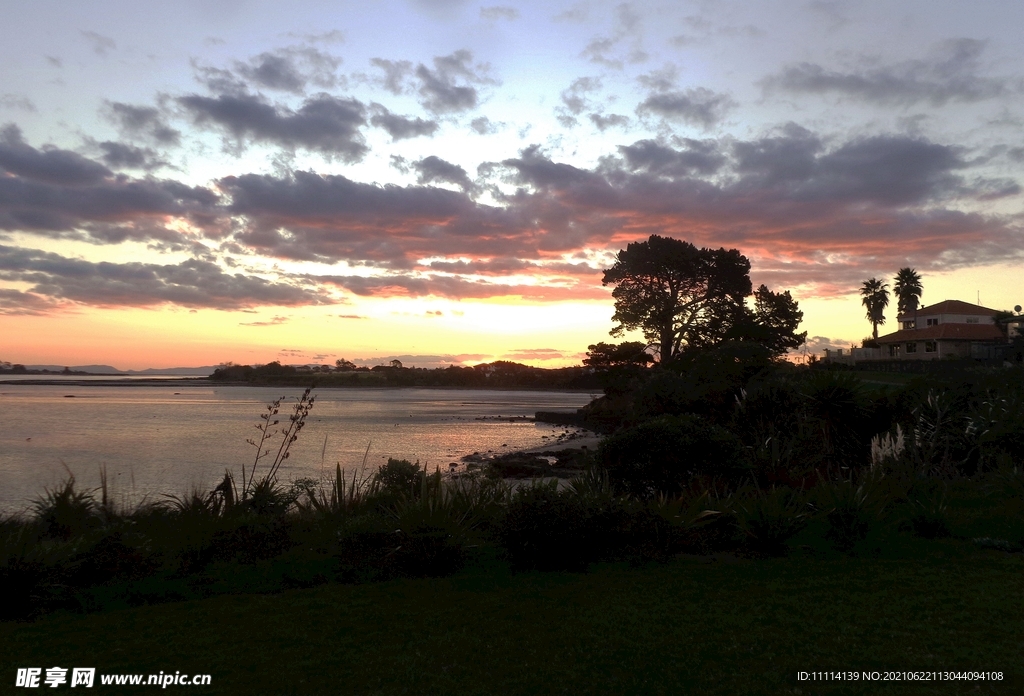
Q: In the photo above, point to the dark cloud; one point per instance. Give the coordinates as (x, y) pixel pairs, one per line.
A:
(276, 321)
(536, 169)
(407, 285)
(48, 165)
(575, 97)
(535, 354)
(696, 107)
(888, 170)
(396, 73)
(483, 126)
(101, 45)
(499, 12)
(695, 157)
(142, 121)
(13, 101)
(124, 156)
(448, 87)
(401, 127)
(951, 73)
(63, 194)
(323, 123)
(597, 52)
(192, 283)
(292, 69)
(432, 170)
(604, 122)
(16, 302)
(660, 80)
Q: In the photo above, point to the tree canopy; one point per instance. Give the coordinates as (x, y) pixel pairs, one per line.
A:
(681, 297)
(908, 290)
(610, 355)
(875, 298)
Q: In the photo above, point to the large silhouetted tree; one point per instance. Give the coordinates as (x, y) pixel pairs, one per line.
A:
(683, 297)
(908, 290)
(875, 298)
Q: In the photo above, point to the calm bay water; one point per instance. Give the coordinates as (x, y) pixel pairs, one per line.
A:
(158, 439)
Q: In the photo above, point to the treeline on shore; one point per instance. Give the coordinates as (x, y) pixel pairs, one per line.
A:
(722, 451)
(501, 374)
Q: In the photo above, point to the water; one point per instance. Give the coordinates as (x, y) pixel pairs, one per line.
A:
(159, 439)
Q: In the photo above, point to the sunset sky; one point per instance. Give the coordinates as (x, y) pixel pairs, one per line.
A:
(443, 181)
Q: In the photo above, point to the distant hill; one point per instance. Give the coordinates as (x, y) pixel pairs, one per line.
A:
(109, 370)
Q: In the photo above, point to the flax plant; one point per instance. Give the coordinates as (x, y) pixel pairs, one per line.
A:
(289, 434)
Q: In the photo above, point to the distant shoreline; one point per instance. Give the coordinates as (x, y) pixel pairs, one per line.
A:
(125, 381)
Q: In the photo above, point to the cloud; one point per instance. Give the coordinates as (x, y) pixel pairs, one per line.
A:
(396, 73)
(101, 45)
(49, 165)
(142, 121)
(423, 361)
(574, 100)
(59, 193)
(13, 101)
(436, 285)
(492, 14)
(483, 126)
(349, 316)
(539, 354)
(292, 69)
(401, 127)
(275, 321)
(448, 87)
(950, 74)
(433, 169)
(15, 303)
(191, 283)
(697, 107)
(603, 122)
(124, 156)
(325, 124)
(694, 158)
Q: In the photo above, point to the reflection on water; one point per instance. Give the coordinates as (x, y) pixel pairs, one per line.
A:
(166, 439)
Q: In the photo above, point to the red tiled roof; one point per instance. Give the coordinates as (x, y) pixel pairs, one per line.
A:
(952, 307)
(958, 332)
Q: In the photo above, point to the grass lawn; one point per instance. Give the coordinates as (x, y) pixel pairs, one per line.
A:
(692, 626)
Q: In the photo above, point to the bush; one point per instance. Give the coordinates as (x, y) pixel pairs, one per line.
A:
(547, 529)
(398, 476)
(769, 518)
(64, 512)
(851, 509)
(661, 455)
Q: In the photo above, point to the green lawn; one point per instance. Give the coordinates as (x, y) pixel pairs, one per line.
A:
(700, 626)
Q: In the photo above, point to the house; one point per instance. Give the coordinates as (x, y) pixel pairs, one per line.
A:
(950, 328)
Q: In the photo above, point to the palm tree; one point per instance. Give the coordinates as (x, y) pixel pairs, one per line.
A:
(907, 289)
(875, 297)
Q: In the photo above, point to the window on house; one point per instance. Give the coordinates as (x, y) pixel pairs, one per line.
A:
(972, 320)
(931, 347)
(911, 347)
(909, 324)
(933, 322)
(894, 350)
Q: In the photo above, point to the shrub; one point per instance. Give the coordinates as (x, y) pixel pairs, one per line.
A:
(661, 455)
(64, 512)
(769, 518)
(851, 508)
(546, 529)
(835, 408)
(431, 532)
(398, 476)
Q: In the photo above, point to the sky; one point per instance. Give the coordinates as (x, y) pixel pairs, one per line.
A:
(444, 181)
